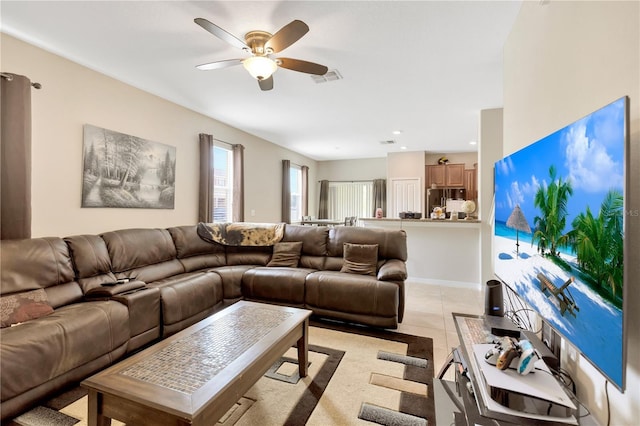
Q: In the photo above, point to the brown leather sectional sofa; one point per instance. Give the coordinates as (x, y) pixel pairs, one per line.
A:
(175, 279)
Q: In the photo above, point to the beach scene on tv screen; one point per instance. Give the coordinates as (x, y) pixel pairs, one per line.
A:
(558, 238)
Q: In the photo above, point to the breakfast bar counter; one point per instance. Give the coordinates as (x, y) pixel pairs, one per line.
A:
(440, 251)
(401, 223)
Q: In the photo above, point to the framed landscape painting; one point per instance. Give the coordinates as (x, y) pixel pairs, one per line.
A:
(125, 171)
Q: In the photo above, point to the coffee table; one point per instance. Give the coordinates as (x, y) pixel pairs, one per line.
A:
(195, 376)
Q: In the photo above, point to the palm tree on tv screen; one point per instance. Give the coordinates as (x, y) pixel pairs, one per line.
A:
(598, 242)
(549, 226)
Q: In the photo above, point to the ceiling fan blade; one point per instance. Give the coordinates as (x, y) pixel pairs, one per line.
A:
(286, 36)
(302, 66)
(219, 64)
(266, 84)
(221, 34)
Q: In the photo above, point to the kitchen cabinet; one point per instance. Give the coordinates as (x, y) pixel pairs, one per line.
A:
(455, 175)
(471, 183)
(445, 175)
(435, 175)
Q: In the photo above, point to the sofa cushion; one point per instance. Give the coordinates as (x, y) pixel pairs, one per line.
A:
(136, 248)
(277, 284)
(38, 351)
(314, 244)
(286, 254)
(20, 307)
(143, 254)
(194, 252)
(34, 263)
(90, 255)
(257, 256)
(351, 294)
(360, 259)
(313, 238)
(91, 261)
(392, 244)
(187, 295)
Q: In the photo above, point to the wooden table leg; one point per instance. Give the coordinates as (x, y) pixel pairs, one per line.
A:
(95, 410)
(303, 350)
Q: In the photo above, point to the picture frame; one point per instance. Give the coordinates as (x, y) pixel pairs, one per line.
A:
(124, 171)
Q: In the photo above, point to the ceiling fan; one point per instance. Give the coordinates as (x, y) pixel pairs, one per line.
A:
(262, 45)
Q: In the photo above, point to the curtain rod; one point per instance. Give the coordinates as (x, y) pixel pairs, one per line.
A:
(9, 77)
(224, 142)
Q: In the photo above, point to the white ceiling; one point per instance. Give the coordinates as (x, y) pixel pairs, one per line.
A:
(426, 68)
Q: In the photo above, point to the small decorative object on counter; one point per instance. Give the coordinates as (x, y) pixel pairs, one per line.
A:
(454, 215)
(438, 213)
(468, 207)
(410, 215)
(378, 213)
(443, 160)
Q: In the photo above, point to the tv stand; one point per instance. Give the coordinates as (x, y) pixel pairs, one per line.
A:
(476, 403)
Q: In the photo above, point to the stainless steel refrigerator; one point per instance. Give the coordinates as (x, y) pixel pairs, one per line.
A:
(438, 197)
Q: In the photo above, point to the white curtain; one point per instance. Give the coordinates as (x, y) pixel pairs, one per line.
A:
(350, 199)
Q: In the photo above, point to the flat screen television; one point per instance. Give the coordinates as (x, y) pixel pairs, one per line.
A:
(559, 232)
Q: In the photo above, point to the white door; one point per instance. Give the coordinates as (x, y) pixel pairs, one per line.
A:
(406, 196)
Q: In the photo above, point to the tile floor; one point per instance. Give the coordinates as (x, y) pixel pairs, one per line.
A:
(428, 312)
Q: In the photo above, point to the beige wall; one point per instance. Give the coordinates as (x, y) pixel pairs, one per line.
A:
(73, 95)
(362, 169)
(467, 158)
(562, 61)
(404, 165)
(490, 151)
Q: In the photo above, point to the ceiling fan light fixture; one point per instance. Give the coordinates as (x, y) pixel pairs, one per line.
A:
(260, 67)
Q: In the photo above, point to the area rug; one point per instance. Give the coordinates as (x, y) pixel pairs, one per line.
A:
(357, 376)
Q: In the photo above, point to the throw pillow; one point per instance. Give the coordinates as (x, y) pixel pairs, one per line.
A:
(286, 254)
(360, 259)
(21, 307)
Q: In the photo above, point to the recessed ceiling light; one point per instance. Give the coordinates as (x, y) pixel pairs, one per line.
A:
(473, 143)
(397, 132)
(403, 147)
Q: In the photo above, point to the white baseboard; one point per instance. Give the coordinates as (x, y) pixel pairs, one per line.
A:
(446, 283)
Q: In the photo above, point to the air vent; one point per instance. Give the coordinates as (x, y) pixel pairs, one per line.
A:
(331, 75)
(389, 142)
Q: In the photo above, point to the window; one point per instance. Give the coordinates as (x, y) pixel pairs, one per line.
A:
(350, 199)
(295, 184)
(222, 183)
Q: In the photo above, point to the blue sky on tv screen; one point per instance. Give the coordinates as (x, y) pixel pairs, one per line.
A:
(589, 153)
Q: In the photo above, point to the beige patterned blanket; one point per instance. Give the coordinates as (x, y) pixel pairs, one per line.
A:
(241, 233)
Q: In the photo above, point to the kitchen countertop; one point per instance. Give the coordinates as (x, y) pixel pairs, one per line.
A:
(423, 220)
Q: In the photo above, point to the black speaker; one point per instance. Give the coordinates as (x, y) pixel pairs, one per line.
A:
(493, 302)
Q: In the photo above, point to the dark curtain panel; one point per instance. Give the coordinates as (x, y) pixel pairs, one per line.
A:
(15, 151)
(238, 183)
(205, 208)
(380, 196)
(305, 190)
(323, 205)
(286, 191)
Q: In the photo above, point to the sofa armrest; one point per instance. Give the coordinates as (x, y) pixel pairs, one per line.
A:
(392, 270)
(108, 291)
(144, 314)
